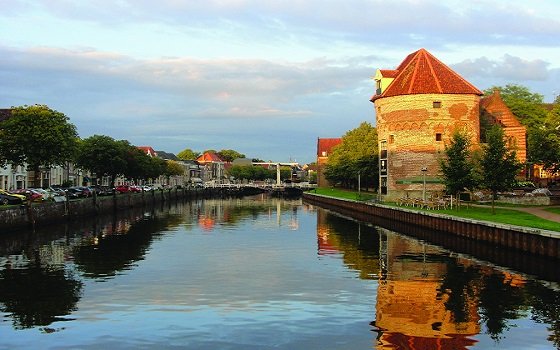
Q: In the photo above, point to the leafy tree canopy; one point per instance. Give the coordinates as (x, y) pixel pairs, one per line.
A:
(103, 156)
(229, 155)
(38, 136)
(499, 164)
(188, 154)
(355, 156)
(457, 166)
(173, 168)
(526, 105)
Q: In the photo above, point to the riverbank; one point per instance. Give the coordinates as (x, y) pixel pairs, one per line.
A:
(535, 241)
(44, 213)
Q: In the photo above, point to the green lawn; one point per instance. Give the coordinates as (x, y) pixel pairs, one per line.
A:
(554, 210)
(504, 216)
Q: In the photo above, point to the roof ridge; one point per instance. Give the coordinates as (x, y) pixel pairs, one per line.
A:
(436, 78)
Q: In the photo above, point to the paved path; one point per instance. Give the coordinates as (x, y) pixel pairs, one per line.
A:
(541, 212)
(537, 211)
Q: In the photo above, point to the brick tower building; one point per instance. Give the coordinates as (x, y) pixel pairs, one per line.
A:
(418, 107)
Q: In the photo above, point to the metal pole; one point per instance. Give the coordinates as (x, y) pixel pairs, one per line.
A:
(359, 186)
(424, 169)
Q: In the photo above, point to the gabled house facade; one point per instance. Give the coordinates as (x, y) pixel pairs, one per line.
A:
(214, 167)
(324, 149)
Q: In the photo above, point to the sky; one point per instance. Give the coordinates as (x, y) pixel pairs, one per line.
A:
(265, 78)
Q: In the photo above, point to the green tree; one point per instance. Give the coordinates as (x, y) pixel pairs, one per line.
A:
(188, 154)
(499, 164)
(103, 156)
(173, 169)
(228, 155)
(37, 136)
(526, 105)
(457, 166)
(355, 156)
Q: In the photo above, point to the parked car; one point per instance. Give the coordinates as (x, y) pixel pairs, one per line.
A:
(102, 190)
(86, 191)
(73, 192)
(6, 199)
(122, 189)
(20, 196)
(29, 194)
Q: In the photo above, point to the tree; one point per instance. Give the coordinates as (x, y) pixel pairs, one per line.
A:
(499, 164)
(228, 155)
(103, 156)
(527, 106)
(37, 136)
(457, 166)
(173, 168)
(355, 156)
(188, 154)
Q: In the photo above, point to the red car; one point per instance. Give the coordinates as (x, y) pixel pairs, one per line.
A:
(127, 188)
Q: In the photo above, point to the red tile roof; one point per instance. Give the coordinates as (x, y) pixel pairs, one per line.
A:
(389, 73)
(422, 73)
(209, 157)
(149, 150)
(325, 145)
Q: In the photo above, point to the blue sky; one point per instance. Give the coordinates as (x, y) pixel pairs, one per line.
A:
(266, 78)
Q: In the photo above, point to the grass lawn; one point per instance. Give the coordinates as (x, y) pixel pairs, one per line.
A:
(504, 216)
(554, 210)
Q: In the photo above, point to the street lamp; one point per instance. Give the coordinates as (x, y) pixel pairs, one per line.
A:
(424, 170)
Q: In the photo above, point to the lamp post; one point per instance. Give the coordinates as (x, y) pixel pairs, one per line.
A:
(424, 170)
(359, 187)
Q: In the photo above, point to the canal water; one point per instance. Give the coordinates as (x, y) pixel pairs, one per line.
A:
(260, 273)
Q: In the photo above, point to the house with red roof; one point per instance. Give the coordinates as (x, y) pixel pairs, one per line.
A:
(214, 167)
(418, 107)
(324, 149)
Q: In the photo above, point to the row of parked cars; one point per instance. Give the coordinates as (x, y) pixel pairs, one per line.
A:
(21, 196)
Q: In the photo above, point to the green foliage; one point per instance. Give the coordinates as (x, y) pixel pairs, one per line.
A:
(249, 172)
(544, 148)
(355, 157)
(228, 155)
(499, 165)
(527, 106)
(102, 155)
(38, 136)
(457, 166)
(188, 154)
(174, 169)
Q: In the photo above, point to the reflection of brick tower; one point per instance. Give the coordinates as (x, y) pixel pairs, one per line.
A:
(411, 311)
(418, 107)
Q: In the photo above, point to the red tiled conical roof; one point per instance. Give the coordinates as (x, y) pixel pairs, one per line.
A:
(422, 73)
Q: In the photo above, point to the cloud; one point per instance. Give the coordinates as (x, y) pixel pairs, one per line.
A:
(164, 99)
(508, 67)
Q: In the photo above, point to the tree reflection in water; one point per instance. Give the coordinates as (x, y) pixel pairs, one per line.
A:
(430, 298)
(37, 295)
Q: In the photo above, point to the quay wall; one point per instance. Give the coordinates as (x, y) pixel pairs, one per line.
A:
(438, 227)
(29, 216)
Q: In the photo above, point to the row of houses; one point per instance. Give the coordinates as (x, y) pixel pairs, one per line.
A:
(207, 168)
(418, 106)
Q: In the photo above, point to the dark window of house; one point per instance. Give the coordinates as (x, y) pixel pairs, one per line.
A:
(437, 104)
(391, 138)
(438, 136)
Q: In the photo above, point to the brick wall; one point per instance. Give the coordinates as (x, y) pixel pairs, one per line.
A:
(416, 128)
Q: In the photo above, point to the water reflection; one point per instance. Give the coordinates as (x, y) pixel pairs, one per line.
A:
(260, 273)
(430, 298)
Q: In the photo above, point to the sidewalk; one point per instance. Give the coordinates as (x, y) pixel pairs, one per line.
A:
(537, 211)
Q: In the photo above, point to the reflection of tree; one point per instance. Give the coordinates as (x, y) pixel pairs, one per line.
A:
(499, 302)
(118, 251)
(458, 284)
(545, 304)
(358, 243)
(38, 296)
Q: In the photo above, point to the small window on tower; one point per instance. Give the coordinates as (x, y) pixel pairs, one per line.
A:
(391, 138)
(437, 104)
(438, 136)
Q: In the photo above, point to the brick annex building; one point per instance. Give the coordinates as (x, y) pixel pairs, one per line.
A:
(418, 107)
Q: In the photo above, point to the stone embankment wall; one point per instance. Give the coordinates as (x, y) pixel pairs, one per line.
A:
(535, 241)
(22, 217)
